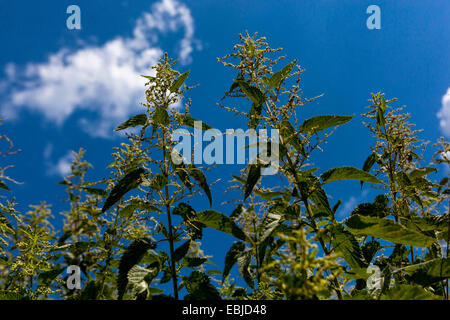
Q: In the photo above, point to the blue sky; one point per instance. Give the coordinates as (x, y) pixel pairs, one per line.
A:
(64, 89)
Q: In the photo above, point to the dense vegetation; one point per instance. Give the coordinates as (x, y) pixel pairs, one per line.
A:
(135, 230)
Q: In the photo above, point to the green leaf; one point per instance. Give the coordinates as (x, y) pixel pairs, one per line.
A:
(158, 182)
(418, 173)
(46, 277)
(236, 212)
(221, 222)
(190, 122)
(243, 266)
(320, 199)
(4, 186)
(276, 79)
(231, 257)
(130, 181)
(428, 272)
(380, 114)
(96, 191)
(181, 251)
(387, 229)
(254, 174)
(270, 222)
(198, 176)
(189, 219)
(370, 249)
(177, 83)
(137, 120)
(160, 117)
(255, 113)
(408, 292)
(289, 135)
(131, 257)
(368, 164)
(348, 173)
(141, 277)
(149, 77)
(180, 170)
(8, 295)
(344, 242)
(319, 123)
(193, 262)
(199, 287)
(135, 204)
(253, 93)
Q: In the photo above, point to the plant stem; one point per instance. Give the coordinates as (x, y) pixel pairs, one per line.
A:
(169, 219)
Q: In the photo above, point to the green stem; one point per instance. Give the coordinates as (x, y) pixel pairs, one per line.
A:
(169, 220)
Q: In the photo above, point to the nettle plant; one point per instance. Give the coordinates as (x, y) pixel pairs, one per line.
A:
(140, 237)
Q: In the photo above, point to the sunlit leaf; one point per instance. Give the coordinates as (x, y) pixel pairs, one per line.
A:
(221, 222)
(178, 82)
(387, 229)
(276, 79)
(320, 123)
(348, 173)
(137, 120)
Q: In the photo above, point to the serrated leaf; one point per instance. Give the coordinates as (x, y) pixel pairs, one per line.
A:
(178, 82)
(221, 222)
(198, 176)
(428, 272)
(368, 164)
(158, 182)
(237, 211)
(276, 79)
(181, 251)
(320, 199)
(288, 133)
(387, 229)
(46, 277)
(270, 222)
(381, 109)
(254, 174)
(190, 122)
(8, 295)
(137, 120)
(231, 257)
(193, 262)
(252, 92)
(135, 204)
(132, 256)
(141, 277)
(130, 181)
(160, 117)
(243, 266)
(348, 173)
(319, 123)
(344, 242)
(199, 286)
(408, 292)
(255, 113)
(418, 173)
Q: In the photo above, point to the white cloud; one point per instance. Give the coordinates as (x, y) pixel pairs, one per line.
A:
(62, 167)
(104, 80)
(444, 114)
